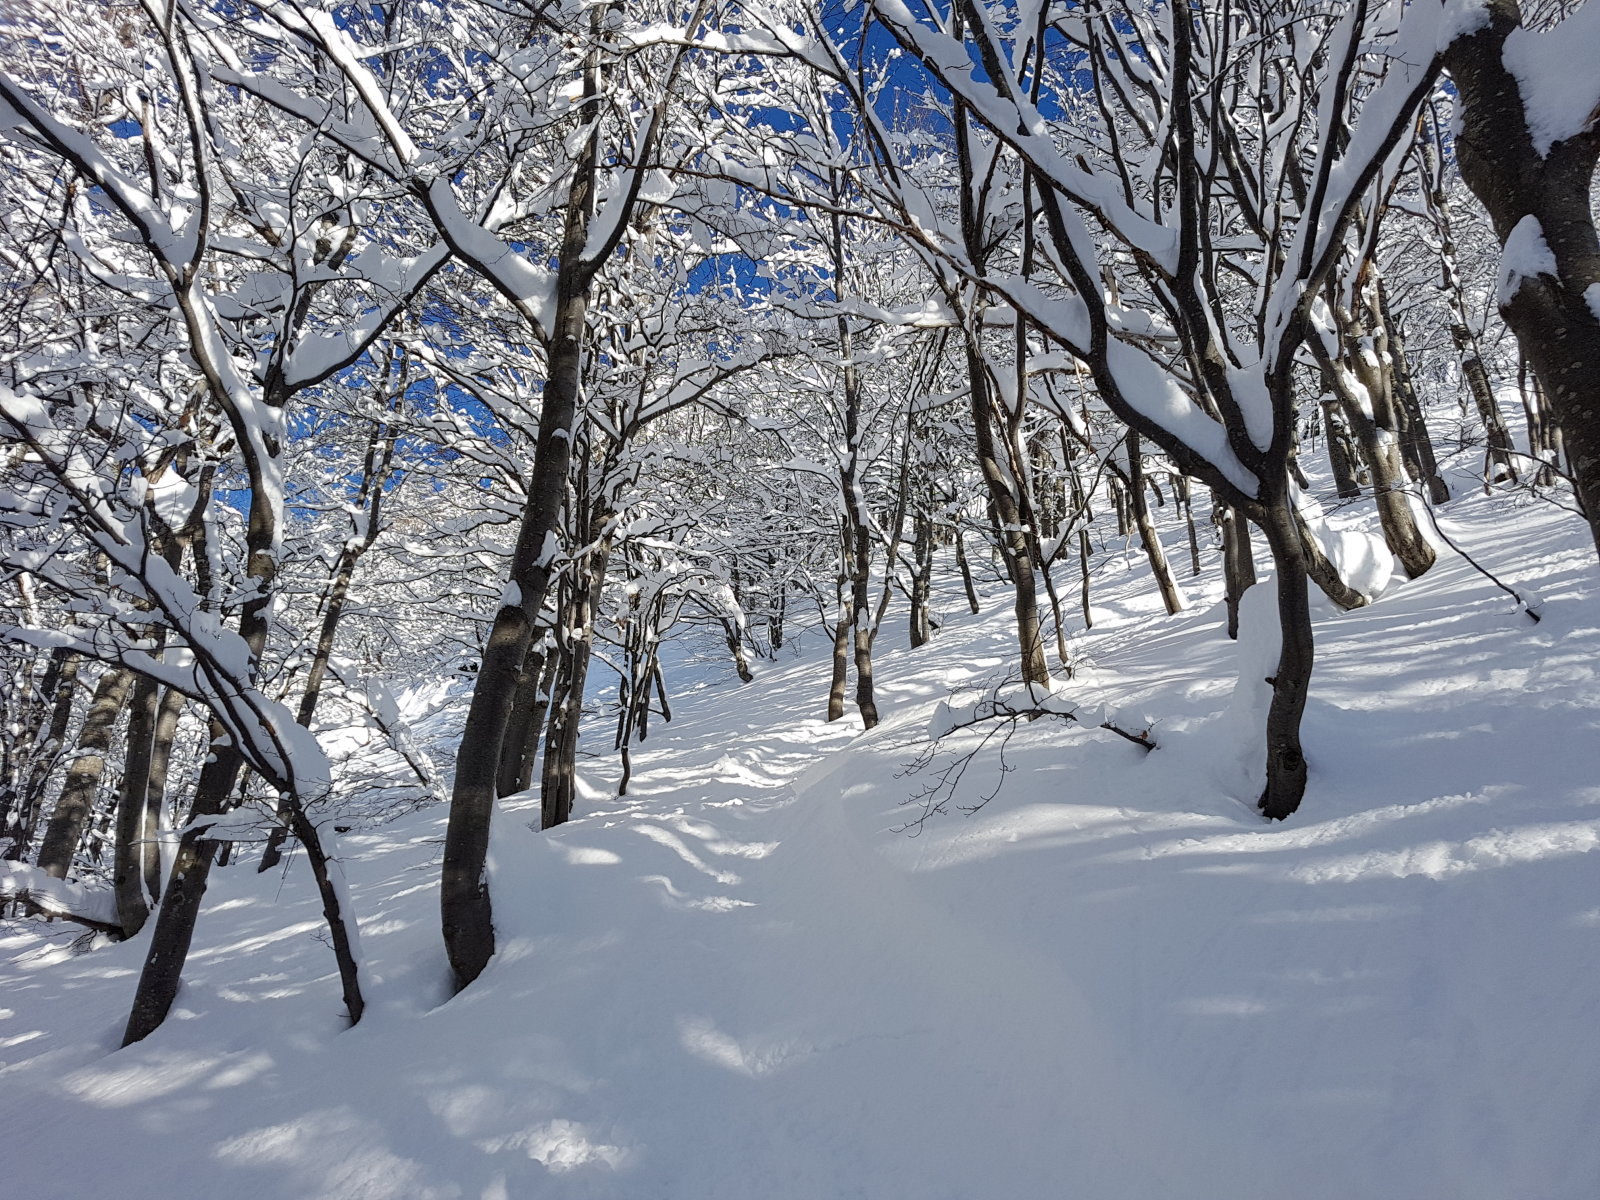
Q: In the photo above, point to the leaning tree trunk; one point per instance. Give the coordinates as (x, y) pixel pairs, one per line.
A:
(558, 780)
(1238, 561)
(78, 792)
(1291, 682)
(965, 568)
(61, 684)
(1139, 509)
(186, 887)
(1011, 534)
(1470, 354)
(133, 811)
(1540, 205)
(466, 914)
(1364, 394)
(1416, 443)
(341, 924)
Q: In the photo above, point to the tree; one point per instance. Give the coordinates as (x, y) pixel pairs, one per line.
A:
(1527, 146)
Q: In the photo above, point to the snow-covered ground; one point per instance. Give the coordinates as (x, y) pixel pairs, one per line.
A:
(751, 980)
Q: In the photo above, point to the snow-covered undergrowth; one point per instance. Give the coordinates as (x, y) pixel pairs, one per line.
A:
(757, 978)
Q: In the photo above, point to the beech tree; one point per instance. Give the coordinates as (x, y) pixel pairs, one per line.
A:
(1529, 114)
(496, 343)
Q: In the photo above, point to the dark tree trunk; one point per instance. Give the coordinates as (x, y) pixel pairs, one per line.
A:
(1291, 682)
(466, 913)
(1011, 531)
(1416, 444)
(180, 902)
(966, 571)
(558, 780)
(519, 749)
(1139, 507)
(921, 577)
(1341, 450)
(1238, 562)
(1532, 197)
(1184, 490)
(341, 924)
(1083, 570)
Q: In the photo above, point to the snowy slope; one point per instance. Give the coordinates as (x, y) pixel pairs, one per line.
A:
(751, 980)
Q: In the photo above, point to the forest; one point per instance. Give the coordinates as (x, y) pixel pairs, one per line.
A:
(462, 430)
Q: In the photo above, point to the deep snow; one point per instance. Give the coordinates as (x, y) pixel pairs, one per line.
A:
(751, 980)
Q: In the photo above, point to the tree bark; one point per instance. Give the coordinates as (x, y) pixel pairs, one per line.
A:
(558, 781)
(1365, 395)
(1537, 197)
(1291, 682)
(78, 792)
(1238, 562)
(1139, 507)
(466, 913)
(965, 568)
(133, 905)
(180, 902)
(60, 683)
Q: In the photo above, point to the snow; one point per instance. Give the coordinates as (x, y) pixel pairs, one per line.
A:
(1358, 553)
(63, 897)
(1592, 295)
(1462, 18)
(1525, 255)
(751, 977)
(1556, 73)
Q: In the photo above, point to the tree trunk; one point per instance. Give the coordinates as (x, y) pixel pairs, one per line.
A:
(1011, 531)
(60, 683)
(78, 792)
(1238, 563)
(1395, 515)
(341, 924)
(1365, 395)
(1341, 450)
(1184, 490)
(1083, 569)
(1139, 506)
(841, 668)
(133, 905)
(921, 577)
(167, 717)
(966, 571)
(466, 913)
(1473, 369)
(1291, 682)
(519, 750)
(1540, 204)
(1416, 444)
(180, 902)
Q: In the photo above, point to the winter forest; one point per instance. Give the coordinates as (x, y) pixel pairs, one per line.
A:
(740, 598)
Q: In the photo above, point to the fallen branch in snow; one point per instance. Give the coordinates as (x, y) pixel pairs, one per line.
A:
(37, 894)
(998, 718)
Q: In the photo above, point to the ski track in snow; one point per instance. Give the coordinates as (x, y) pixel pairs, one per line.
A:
(750, 979)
